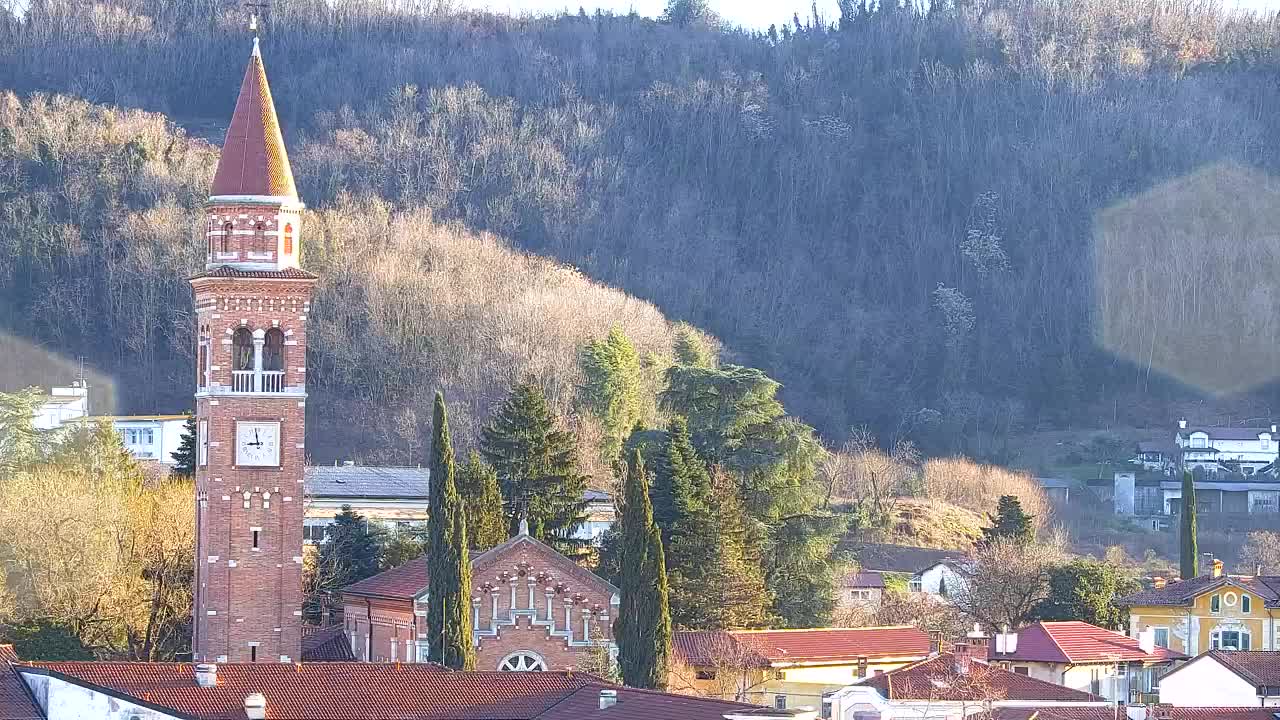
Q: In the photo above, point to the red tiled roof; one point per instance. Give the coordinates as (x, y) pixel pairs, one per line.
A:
(325, 644)
(1110, 713)
(253, 160)
(368, 691)
(1257, 667)
(1079, 642)
(765, 648)
(15, 701)
(937, 679)
(226, 271)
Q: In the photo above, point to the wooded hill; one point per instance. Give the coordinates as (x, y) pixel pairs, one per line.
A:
(890, 211)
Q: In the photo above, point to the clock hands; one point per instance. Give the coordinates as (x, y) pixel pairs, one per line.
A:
(256, 442)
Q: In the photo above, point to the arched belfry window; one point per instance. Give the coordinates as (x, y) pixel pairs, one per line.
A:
(523, 661)
(288, 238)
(227, 229)
(242, 349)
(273, 350)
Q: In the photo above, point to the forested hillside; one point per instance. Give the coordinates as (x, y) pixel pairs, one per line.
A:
(889, 211)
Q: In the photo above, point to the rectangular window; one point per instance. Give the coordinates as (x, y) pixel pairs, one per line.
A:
(1197, 442)
(779, 702)
(705, 674)
(148, 436)
(202, 443)
(257, 533)
(1246, 604)
(253, 653)
(1215, 604)
(915, 585)
(1022, 670)
(1162, 637)
(202, 366)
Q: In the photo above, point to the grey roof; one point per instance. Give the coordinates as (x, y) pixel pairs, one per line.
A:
(1160, 446)
(1054, 482)
(361, 481)
(1229, 433)
(596, 496)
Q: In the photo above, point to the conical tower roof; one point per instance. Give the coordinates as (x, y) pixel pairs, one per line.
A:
(254, 161)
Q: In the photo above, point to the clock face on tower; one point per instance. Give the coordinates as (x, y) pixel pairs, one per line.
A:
(258, 444)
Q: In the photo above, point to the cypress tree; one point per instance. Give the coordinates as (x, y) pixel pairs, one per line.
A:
(449, 581)
(184, 457)
(537, 466)
(1190, 546)
(643, 626)
(482, 499)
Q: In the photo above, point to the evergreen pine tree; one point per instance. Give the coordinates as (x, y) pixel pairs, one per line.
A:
(691, 543)
(736, 583)
(184, 457)
(352, 551)
(449, 581)
(478, 486)
(537, 466)
(612, 389)
(1010, 521)
(1188, 540)
(643, 626)
(689, 349)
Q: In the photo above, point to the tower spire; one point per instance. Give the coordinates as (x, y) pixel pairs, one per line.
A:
(254, 163)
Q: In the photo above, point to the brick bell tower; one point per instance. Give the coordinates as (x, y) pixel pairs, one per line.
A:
(251, 304)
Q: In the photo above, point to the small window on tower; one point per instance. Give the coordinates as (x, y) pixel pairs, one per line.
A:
(260, 238)
(253, 653)
(202, 367)
(288, 238)
(256, 536)
(226, 236)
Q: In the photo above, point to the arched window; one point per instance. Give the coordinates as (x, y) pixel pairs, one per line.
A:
(288, 238)
(260, 239)
(202, 365)
(242, 349)
(523, 661)
(273, 350)
(227, 229)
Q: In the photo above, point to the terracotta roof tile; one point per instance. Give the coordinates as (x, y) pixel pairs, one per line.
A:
(226, 271)
(1079, 642)
(764, 648)
(369, 691)
(254, 160)
(325, 644)
(15, 700)
(937, 679)
(1258, 667)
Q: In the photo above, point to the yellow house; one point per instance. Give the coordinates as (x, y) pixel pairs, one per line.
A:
(1211, 611)
(788, 668)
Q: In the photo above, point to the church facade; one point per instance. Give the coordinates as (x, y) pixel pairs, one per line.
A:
(531, 609)
(251, 307)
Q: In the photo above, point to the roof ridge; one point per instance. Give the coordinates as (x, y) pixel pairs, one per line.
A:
(800, 630)
(1054, 640)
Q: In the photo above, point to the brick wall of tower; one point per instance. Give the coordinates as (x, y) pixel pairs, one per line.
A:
(243, 595)
(255, 234)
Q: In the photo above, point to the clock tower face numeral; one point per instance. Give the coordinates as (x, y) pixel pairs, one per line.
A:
(258, 444)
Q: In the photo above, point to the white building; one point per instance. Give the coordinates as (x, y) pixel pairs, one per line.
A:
(1225, 678)
(61, 405)
(148, 437)
(1245, 449)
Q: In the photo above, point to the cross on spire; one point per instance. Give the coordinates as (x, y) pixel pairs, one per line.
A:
(254, 7)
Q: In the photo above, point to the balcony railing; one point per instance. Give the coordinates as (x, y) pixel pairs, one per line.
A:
(242, 381)
(267, 381)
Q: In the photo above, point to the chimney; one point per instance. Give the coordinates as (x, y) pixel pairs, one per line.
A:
(1182, 424)
(1137, 712)
(935, 642)
(348, 463)
(1257, 570)
(206, 675)
(255, 707)
(1217, 568)
(862, 666)
(1157, 582)
(1006, 642)
(1273, 428)
(977, 639)
(608, 698)
(1206, 562)
(961, 653)
(1147, 640)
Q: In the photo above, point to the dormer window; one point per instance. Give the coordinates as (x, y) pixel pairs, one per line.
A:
(1198, 441)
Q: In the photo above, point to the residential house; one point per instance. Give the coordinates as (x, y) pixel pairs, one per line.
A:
(1240, 449)
(62, 404)
(788, 668)
(1157, 455)
(327, 690)
(1210, 611)
(957, 684)
(882, 566)
(1225, 678)
(1086, 657)
(531, 609)
(1058, 490)
(398, 497)
(150, 438)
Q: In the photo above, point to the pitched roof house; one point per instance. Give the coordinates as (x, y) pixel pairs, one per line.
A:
(348, 691)
(1086, 657)
(16, 702)
(924, 570)
(1210, 611)
(788, 668)
(955, 684)
(1226, 678)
